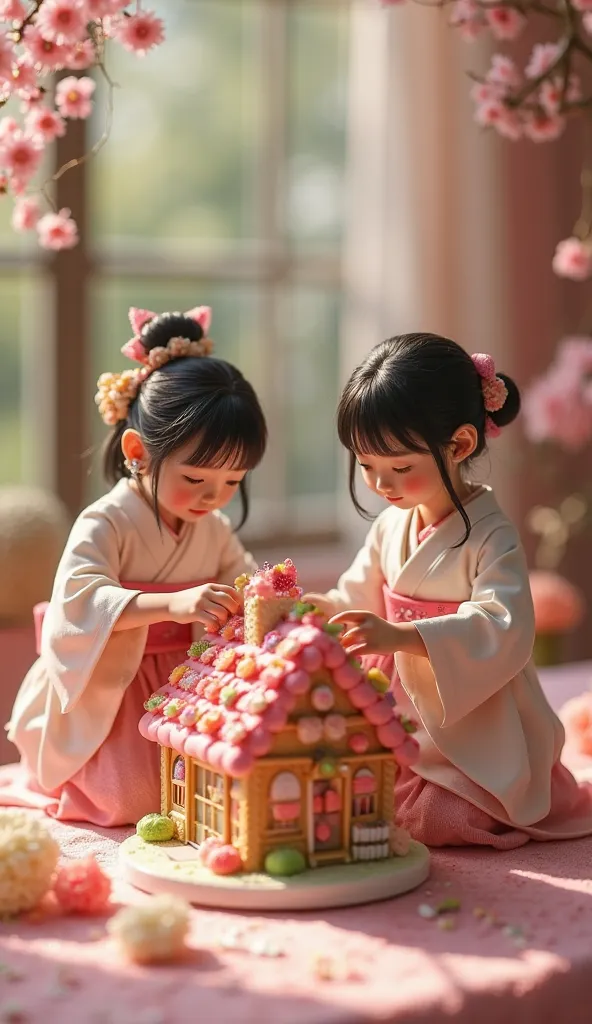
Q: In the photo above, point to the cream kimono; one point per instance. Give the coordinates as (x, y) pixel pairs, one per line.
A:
(486, 731)
(69, 700)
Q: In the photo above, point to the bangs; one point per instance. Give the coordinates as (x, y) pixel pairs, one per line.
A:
(228, 433)
(372, 421)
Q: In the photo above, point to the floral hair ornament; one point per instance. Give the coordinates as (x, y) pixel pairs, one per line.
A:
(117, 390)
(494, 390)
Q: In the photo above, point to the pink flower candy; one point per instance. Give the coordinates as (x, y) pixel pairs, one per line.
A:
(57, 231)
(139, 32)
(26, 213)
(44, 124)
(504, 22)
(573, 259)
(73, 97)
(63, 21)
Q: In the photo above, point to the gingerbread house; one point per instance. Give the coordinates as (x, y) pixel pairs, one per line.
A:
(271, 737)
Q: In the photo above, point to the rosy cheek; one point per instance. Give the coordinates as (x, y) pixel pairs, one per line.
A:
(414, 483)
(180, 496)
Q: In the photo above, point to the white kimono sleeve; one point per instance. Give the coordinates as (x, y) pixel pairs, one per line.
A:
(234, 560)
(477, 651)
(360, 587)
(86, 603)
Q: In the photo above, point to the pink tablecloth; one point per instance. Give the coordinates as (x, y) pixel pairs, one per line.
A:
(529, 959)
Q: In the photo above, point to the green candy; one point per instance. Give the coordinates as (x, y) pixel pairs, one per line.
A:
(155, 828)
(285, 861)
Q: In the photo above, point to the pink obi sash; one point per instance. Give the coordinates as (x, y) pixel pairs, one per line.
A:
(166, 636)
(400, 608)
(162, 636)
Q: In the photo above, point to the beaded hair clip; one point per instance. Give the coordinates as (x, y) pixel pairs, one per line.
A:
(494, 390)
(117, 390)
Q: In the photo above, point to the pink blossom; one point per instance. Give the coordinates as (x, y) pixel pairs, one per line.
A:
(8, 126)
(20, 156)
(541, 59)
(573, 259)
(558, 405)
(467, 16)
(140, 32)
(57, 231)
(494, 114)
(12, 10)
(25, 79)
(503, 72)
(43, 53)
(576, 715)
(26, 213)
(6, 59)
(31, 101)
(97, 9)
(559, 607)
(551, 93)
(63, 21)
(574, 356)
(45, 124)
(504, 22)
(81, 56)
(582, 5)
(73, 97)
(542, 127)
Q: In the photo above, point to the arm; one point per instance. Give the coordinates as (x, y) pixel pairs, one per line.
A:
(361, 585)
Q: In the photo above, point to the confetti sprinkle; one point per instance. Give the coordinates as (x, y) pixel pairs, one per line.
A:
(425, 910)
(449, 905)
(446, 924)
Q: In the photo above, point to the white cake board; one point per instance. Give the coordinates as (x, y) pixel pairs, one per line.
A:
(149, 867)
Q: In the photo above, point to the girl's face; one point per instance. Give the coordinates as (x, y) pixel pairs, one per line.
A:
(189, 492)
(405, 480)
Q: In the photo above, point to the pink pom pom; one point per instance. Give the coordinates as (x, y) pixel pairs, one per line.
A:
(408, 752)
(311, 659)
(197, 746)
(81, 887)
(225, 860)
(216, 753)
(484, 365)
(237, 761)
(259, 742)
(297, 682)
(392, 734)
(363, 695)
(379, 713)
(274, 718)
(207, 848)
(334, 656)
(346, 676)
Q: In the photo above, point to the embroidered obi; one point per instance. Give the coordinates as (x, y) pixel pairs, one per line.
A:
(166, 636)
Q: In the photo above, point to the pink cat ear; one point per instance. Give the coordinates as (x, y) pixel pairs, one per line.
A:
(139, 317)
(134, 350)
(202, 316)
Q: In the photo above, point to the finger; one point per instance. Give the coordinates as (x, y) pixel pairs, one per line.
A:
(349, 617)
(353, 635)
(217, 610)
(359, 649)
(226, 600)
(205, 618)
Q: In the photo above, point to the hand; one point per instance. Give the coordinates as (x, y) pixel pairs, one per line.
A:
(211, 604)
(320, 601)
(372, 635)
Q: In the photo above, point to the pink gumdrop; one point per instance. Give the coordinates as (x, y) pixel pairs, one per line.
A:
(225, 860)
(363, 695)
(392, 734)
(197, 746)
(259, 742)
(164, 733)
(325, 642)
(334, 655)
(297, 682)
(274, 718)
(311, 659)
(322, 832)
(358, 742)
(216, 753)
(149, 727)
(237, 761)
(379, 713)
(408, 752)
(346, 676)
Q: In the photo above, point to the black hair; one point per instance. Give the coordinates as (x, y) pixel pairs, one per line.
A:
(416, 389)
(203, 399)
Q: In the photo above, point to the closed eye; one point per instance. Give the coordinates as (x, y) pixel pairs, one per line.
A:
(405, 469)
(233, 483)
(192, 480)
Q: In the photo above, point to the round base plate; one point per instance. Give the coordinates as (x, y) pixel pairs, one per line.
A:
(174, 868)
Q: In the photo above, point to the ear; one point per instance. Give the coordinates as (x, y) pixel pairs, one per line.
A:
(132, 447)
(464, 442)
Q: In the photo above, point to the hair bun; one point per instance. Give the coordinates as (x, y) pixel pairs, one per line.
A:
(162, 328)
(511, 407)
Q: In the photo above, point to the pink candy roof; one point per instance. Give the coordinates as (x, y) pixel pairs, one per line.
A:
(228, 703)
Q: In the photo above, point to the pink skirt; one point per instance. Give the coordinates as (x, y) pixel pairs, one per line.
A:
(121, 782)
(438, 817)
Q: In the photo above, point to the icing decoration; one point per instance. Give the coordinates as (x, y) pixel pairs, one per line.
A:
(332, 802)
(155, 702)
(379, 680)
(379, 713)
(327, 768)
(152, 931)
(287, 811)
(198, 647)
(322, 698)
(334, 728)
(81, 887)
(155, 828)
(225, 860)
(311, 659)
(309, 730)
(285, 862)
(179, 770)
(322, 832)
(358, 743)
(362, 695)
(28, 856)
(177, 674)
(174, 707)
(205, 849)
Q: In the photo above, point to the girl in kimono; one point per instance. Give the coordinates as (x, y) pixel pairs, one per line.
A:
(144, 567)
(441, 585)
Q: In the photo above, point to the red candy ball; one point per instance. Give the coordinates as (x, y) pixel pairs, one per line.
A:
(81, 887)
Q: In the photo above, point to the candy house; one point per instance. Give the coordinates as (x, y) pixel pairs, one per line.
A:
(270, 737)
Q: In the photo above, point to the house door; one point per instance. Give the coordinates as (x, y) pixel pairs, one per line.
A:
(327, 804)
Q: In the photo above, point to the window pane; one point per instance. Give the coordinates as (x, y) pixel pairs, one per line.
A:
(312, 388)
(19, 401)
(233, 330)
(318, 58)
(180, 160)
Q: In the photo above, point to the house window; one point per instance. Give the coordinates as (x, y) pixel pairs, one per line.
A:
(364, 793)
(285, 802)
(209, 804)
(236, 795)
(178, 783)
